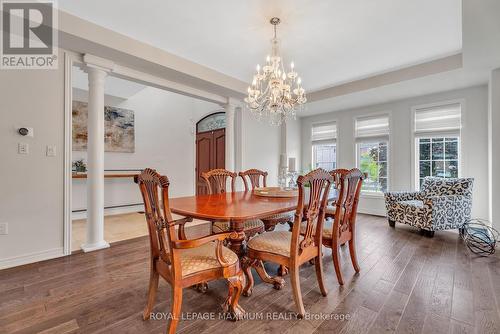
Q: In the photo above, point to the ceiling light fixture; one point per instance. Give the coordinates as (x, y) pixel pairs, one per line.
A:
(274, 93)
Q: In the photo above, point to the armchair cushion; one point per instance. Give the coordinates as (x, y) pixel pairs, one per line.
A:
(201, 258)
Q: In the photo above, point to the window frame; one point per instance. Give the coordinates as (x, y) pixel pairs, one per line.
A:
(415, 169)
(387, 139)
(335, 141)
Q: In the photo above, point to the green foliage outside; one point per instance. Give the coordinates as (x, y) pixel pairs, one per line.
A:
(368, 163)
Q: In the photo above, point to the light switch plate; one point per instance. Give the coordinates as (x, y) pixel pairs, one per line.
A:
(4, 228)
(51, 151)
(23, 148)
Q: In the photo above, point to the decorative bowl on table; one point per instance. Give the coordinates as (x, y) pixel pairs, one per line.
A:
(276, 192)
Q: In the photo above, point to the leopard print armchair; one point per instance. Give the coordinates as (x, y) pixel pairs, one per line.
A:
(442, 204)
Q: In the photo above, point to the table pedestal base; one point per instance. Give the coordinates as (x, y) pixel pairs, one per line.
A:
(276, 281)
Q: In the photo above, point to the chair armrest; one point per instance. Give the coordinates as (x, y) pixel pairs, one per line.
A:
(448, 211)
(193, 243)
(181, 221)
(396, 196)
(218, 238)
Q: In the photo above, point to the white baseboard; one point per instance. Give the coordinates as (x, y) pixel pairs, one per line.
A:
(110, 211)
(31, 257)
(373, 211)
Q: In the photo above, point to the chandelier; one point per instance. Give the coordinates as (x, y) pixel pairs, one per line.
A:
(275, 93)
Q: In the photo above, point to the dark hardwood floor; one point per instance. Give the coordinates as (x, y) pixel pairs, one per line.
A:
(408, 284)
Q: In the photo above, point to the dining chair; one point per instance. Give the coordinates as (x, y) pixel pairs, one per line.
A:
(255, 175)
(217, 180)
(343, 212)
(183, 262)
(292, 248)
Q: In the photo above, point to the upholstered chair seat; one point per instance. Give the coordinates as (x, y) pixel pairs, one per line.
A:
(251, 227)
(195, 260)
(276, 242)
(327, 229)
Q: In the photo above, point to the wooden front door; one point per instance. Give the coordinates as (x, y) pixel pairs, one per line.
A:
(210, 154)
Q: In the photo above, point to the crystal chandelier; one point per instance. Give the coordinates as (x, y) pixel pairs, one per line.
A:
(274, 93)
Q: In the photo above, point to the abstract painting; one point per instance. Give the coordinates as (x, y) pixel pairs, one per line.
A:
(119, 132)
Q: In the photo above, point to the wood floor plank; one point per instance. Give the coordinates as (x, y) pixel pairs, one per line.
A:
(408, 284)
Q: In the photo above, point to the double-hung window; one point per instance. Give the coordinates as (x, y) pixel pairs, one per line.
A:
(372, 150)
(324, 146)
(437, 141)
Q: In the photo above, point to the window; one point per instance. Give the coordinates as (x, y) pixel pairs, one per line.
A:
(372, 146)
(437, 141)
(324, 146)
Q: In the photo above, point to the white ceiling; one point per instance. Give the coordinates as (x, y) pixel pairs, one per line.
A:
(330, 41)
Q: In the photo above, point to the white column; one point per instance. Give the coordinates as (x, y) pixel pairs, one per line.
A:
(230, 109)
(95, 156)
(494, 147)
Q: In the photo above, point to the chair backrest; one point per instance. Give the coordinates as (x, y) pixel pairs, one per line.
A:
(216, 180)
(438, 186)
(348, 186)
(161, 233)
(254, 175)
(313, 214)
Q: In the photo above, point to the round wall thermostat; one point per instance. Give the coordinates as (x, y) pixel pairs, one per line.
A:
(23, 131)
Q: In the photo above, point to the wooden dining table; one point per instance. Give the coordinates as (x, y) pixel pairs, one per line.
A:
(234, 207)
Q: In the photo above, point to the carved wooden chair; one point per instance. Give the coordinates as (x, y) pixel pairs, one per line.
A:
(337, 180)
(255, 175)
(181, 262)
(217, 180)
(348, 184)
(292, 249)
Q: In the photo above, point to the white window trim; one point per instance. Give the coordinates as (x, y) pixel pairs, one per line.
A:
(357, 140)
(335, 141)
(416, 135)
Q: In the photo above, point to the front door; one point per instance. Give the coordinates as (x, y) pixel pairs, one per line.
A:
(210, 154)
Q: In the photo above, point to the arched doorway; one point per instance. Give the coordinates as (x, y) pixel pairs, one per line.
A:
(210, 146)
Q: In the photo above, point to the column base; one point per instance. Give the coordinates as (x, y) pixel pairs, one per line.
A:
(93, 247)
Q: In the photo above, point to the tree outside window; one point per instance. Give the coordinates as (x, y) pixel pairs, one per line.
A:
(373, 160)
(437, 157)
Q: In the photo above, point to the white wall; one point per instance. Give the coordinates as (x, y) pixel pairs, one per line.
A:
(164, 140)
(260, 146)
(494, 147)
(293, 141)
(474, 142)
(31, 194)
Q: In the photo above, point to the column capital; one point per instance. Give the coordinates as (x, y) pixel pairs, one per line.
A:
(232, 103)
(98, 63)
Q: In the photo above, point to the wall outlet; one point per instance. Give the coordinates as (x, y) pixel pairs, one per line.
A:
(51, 151)
(4, 228)
(23, 148)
